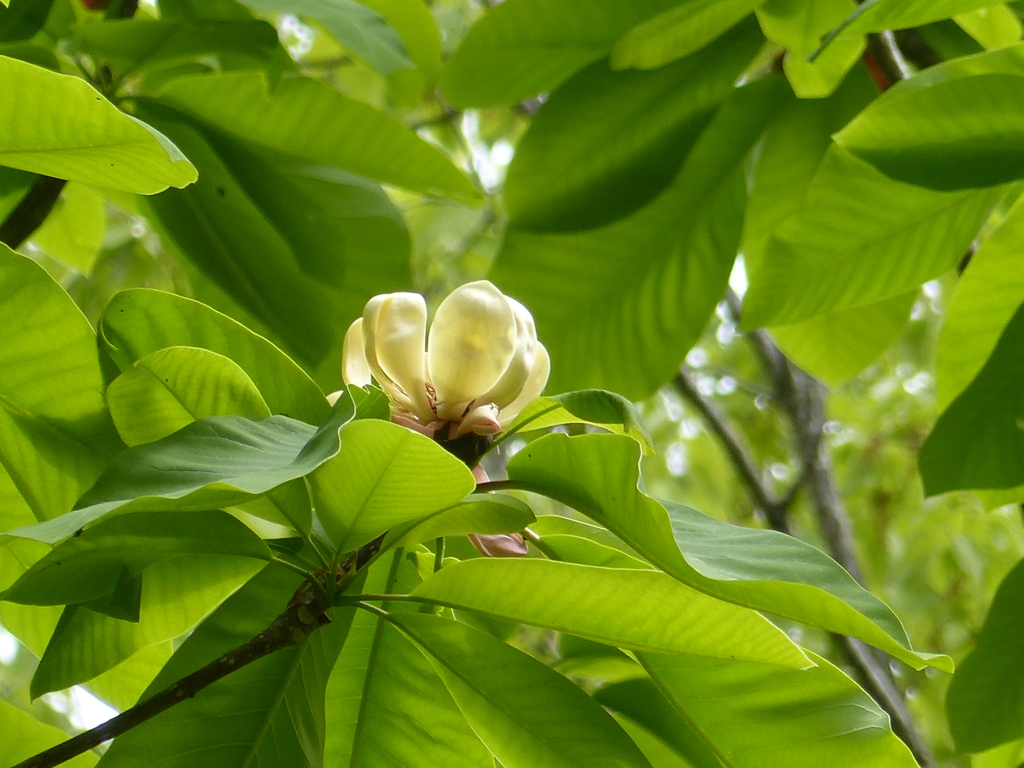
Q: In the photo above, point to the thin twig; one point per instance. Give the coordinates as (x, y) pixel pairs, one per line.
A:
(890, 59)
(738, 450)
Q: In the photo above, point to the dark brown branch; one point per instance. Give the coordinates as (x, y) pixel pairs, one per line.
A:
(31, 212)
(802, 398)
(739, 452)
(887, 54)
(304, 616)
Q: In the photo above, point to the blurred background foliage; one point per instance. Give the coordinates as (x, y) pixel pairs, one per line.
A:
(936, 561)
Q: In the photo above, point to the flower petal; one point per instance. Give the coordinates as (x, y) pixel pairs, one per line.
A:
(395, 349)
(499, 544)
(531, 390)
(516, 375)
(472, 340)
(354, 369)
(483, 420)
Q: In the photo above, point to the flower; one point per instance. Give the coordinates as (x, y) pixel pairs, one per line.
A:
(480, 365)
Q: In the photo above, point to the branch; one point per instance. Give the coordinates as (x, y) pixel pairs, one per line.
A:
(739, 452)
(31, 212)
(304, 616)
(886, 52)
(802, 398)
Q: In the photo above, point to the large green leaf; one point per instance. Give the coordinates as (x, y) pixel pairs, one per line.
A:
(618, 306)
(129, 46)
(101, 146)
(91, 564)
(606, 143)
(215, 462)
(177, 594)
(14, 185)
(678, 32)
(978, 441)
(21, 19)
(299, 247)
(23, 736)
(139, 322)
(313, 120)
(527, 714)
(750, 714)
(385, 703)
(983, 302)
(961, 133)
(798, 25)
(525, 47)
(384, 476)
(995, 26)
(175, 386)
(840, 345)
(879, 15)
(268, 714)
(860, 238)
(363, 31)
(54, 426)
(486, 513)
(638, 608)
(595, 407)
(414, 21)
(986, 695)
(765, 570)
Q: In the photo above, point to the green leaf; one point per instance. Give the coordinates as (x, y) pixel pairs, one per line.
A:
(90, 565)
(637, 609)
(798, 26)
(216, 462)
(764, 570)
(384, 476)
(73, 232)
(54, 426)
(178, 594)
(139, 322)
(101, 146)
(838, 346)
(595, 407)
(859, 239)
(655, 749)
(486, 513)
(415, 24)
(23, 736)
(385, 703)
(129, 46)
(986, 695)
(314, 121)
(21, 19)
(527, 714)
(269, 713)
(618, 306)
(269, 235)
(363, 31)
(678, 32)
(909, 135)
(749, 714)
(978, 441)
(573, 172)
(983, 302)
(994, 27)
(525, 47)
(173, 387)
(879, 15)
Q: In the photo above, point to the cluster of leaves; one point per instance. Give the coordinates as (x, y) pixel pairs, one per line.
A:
(171, 475)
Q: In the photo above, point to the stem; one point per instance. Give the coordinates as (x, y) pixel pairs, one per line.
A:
(503, 485)
(299, 621)
(438, 553)
(31, 212)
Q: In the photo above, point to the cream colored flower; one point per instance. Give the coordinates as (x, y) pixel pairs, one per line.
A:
(480, 365)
